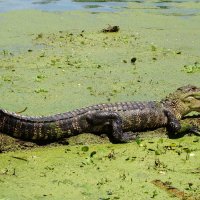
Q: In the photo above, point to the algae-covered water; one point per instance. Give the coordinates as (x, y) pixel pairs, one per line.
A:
(108, 171)
(61, 61)
(51, 62)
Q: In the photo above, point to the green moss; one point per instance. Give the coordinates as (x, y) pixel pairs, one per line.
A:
(74, 173)
(192, 68)
(72, 60)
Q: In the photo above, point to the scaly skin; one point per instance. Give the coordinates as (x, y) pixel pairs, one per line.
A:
(121, 121)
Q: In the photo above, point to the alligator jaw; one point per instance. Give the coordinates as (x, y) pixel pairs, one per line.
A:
(193, 101)
(184, 100)
(195, 95)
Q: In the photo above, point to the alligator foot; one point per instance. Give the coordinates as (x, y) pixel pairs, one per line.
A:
(195, 130)
(128, 136)
(173, 124)
(186, 130)
(102, 118)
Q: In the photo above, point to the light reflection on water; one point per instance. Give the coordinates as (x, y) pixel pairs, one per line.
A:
(167, 7)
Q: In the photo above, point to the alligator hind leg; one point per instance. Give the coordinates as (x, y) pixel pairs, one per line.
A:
(119, 135)
(112, 119)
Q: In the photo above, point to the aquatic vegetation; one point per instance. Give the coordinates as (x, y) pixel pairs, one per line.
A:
(193, 68)
(41, 90)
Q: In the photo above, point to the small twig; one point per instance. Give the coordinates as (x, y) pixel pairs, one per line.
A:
(19, 158)
(22, 110)
(172, 190)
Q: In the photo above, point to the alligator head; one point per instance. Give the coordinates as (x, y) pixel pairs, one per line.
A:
(184, 100)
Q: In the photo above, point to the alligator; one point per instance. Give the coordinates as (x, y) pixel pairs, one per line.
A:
(122, 122)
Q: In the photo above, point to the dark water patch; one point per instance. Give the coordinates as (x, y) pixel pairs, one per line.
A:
(93, 6)
(179, 12)
(169, 1)
(102, 1)
(45, 1)
(163, 7)
(139, 1)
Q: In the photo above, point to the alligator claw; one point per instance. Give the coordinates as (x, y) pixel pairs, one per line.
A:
(195, 130)
(128, 137)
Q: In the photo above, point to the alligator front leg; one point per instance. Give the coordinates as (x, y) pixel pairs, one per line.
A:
(112, 119)
(173, 125)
